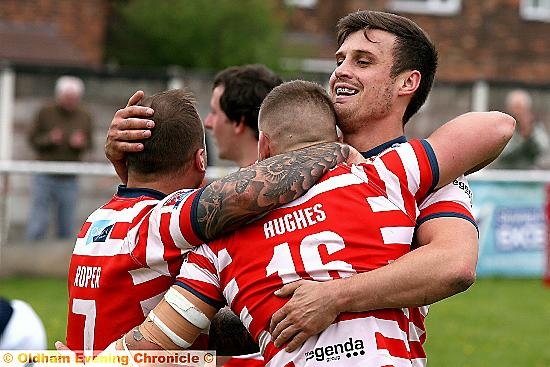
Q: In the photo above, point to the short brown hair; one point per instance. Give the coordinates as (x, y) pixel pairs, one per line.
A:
(297, 113)
(177, 134)
(413, 48)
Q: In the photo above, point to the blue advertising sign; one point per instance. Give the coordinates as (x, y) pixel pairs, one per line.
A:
(512, 227)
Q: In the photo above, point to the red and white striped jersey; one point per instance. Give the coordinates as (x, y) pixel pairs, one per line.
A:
(453, 200)
(354, 220)
(126, 256)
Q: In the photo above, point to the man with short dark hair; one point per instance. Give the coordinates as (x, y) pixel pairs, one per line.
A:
(385, 67)
(237, 94)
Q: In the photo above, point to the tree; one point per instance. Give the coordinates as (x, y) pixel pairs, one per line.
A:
(201, 34)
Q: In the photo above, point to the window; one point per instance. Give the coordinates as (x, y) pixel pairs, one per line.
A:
(535, 10)
(436, 7)
(302, 3)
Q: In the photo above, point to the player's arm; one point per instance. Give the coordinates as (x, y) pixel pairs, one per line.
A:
(234, 200)
(173, 324)
(445, 261)
(469, 142)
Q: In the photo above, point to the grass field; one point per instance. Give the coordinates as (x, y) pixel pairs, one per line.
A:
(498, 322)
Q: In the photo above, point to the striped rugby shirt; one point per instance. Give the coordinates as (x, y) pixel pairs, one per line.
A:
(356, 219)
(125, 258)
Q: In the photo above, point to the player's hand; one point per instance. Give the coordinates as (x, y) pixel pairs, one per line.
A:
(110, 350)
(309, 311)
(355, 156)
(63, 350)
(129, 124)
(61, 347)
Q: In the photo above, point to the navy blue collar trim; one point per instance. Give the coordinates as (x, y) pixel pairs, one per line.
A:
(379, 149)
(136, 192)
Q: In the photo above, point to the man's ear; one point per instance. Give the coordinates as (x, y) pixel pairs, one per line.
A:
(264, 151)
(200, 160)
(240, 127)
(340, 135)
(409, 82)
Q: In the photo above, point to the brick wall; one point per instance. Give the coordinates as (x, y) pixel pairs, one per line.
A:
(486, 40)
(82, 24)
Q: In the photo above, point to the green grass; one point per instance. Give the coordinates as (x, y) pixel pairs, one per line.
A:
(48, 297)
(497, 322)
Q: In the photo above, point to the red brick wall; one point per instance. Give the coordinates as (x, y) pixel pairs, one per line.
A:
(487, 40)
(82, 23)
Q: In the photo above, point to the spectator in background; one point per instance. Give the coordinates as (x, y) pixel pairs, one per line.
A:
(530, 141)
(237, 94)
(62, 131)
(20, 326)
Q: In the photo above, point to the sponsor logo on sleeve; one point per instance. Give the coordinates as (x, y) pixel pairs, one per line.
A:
(99, 231)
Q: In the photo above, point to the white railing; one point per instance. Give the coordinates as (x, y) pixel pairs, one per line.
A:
(8, 168)
(84, 168)
(510, 175)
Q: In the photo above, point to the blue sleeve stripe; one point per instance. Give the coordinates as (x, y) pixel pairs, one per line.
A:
(447, 214)
(202, 297)
(433, 163)
(194, 220)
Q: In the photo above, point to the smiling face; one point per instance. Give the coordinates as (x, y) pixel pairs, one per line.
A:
(361, 86)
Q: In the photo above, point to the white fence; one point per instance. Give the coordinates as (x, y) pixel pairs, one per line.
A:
(511, 208)
(17, 173)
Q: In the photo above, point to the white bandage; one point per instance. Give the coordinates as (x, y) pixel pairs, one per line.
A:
(168, 332)
(186, 309)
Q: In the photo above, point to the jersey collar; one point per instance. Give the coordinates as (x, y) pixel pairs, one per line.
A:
(379, 149)
(135, 192)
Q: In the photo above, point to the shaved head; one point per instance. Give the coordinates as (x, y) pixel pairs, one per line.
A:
(296, 114)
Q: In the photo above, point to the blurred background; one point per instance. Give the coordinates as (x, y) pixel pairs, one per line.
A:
(486, 48)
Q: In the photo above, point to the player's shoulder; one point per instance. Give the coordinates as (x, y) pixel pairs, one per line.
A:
(176, 198)
(342, 173)
(395, 149)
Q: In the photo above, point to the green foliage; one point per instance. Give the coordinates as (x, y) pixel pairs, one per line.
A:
(202, 34)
